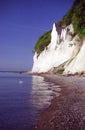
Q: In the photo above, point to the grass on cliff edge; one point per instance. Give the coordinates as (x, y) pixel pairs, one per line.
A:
(42, 42)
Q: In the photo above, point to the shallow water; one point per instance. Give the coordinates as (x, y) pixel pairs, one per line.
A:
(22, 98)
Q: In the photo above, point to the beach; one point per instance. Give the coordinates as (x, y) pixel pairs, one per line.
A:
(67, 111)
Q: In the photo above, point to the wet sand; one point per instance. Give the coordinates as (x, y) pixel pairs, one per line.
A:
(66, 112)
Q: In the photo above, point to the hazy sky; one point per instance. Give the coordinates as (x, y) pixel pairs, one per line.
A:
(21, 23)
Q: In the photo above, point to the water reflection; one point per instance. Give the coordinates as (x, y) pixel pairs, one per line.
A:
(43, 92)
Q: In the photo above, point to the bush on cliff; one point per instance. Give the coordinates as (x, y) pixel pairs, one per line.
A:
(42, 42)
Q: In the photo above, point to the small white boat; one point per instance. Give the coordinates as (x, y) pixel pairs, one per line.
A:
(20, 81)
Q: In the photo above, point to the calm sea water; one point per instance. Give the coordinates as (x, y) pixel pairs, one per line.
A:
(22, 99)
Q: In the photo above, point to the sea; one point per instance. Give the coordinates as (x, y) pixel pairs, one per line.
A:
(23, 98)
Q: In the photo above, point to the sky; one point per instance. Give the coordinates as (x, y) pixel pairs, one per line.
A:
(22, 22)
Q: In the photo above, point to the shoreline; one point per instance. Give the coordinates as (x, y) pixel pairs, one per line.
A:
(66, 112)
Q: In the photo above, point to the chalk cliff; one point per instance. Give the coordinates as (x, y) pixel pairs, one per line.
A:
(66, 49)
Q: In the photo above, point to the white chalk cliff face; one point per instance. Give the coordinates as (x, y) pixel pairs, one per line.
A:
(65, 47)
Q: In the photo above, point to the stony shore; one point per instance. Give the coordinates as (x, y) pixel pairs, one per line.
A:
(66, 112)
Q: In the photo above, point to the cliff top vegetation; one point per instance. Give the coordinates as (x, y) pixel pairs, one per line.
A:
(76, 16)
